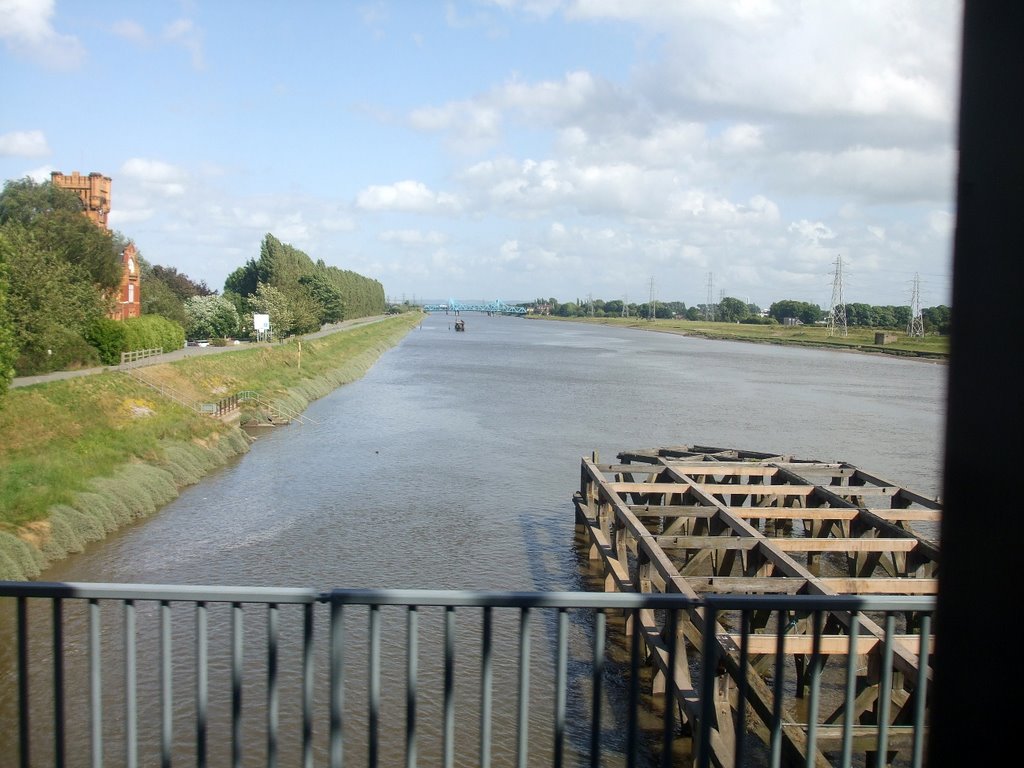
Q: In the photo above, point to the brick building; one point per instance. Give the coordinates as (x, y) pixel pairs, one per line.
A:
(94, 192)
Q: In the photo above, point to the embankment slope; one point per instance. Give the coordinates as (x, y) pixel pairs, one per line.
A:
(81, 457)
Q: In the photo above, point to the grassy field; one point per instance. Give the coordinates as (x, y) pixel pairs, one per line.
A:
(82, 456)
(858, 339)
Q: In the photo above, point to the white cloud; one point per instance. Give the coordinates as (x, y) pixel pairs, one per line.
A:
(184, 32)
(23, 144)
(130, 30)
(411, 237)
(156, 176)
(412, 196)
(26, 27)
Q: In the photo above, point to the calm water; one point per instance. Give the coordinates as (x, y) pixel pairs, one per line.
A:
(451, 464)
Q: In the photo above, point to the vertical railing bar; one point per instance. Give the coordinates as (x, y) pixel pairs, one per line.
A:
(236, 684)
(165, 684)
(23, 684)
(523, 717)
(597, 683)
(743, 688)
(633, 715)
(815, 694)
(851, 691)
(485, 691)
(561, 680)
(885, 691)
(777, 689)
(202, 682)
(374, 686)
(669, 715)
(272, 685)
(131, 733)
(95, 685)
(449, 687)
(59, 732)
(412, 671)
(307, 685)
(921, 691)
(709, 663)
(337, 683)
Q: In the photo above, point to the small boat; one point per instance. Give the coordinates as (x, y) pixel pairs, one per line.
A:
(460, 325)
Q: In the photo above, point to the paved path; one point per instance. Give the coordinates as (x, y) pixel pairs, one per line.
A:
(178, 354)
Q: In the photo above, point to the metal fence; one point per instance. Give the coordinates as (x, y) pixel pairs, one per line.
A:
(104, 674)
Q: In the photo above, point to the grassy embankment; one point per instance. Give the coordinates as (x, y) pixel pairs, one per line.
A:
(859, 339)
(81, 457)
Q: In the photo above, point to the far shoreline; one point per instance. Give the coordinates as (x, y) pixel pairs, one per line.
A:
(703, 332)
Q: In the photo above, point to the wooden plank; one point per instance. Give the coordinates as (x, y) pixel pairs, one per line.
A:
(830, 645)
(791, 585)
(787, 513)
(809, 544)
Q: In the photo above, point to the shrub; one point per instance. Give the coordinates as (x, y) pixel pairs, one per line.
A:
(109, 338)
(58, 349)
(153, 332)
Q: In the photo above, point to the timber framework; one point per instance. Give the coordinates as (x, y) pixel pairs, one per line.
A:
(700, 521)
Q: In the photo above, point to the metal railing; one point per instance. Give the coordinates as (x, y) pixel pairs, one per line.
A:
(172, 675)
(275, 410)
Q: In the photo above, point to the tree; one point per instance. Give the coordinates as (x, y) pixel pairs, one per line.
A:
(268, 300)
(800, 310)
(7, 349)
(23, 201)
(51, 302)
(937, 319)
(210, 317)
(731, 310)
(328, 298)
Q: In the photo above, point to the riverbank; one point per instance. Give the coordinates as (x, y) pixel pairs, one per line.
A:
(933, 348)
(83, 456)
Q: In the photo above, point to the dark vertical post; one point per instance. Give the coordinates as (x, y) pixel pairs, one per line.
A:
(984, 396)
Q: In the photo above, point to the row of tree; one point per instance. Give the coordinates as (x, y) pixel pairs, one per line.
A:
(733, 310)
(59, 274)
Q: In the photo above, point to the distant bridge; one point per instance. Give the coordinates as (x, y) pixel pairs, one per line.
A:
(493, 307)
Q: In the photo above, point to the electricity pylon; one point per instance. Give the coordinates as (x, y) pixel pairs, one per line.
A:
(837, 313)
(916, 325)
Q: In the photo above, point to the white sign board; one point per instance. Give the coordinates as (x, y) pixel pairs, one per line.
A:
(261, 322)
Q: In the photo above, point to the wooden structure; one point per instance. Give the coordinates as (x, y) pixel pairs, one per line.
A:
(699, 520)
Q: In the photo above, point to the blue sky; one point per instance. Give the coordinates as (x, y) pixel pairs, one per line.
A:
(509, 149)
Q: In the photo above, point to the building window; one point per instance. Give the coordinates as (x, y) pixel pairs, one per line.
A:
(131, 293)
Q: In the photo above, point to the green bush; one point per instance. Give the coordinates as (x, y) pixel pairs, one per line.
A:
(153, 332)
(57, 349)
(109, 338)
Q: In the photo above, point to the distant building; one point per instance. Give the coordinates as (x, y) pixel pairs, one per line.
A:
(94, 192)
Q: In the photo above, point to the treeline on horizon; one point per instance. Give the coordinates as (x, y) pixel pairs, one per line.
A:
(60, 274)
(731, 310)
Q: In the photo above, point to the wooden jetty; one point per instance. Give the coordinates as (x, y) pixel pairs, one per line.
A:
(698, 521)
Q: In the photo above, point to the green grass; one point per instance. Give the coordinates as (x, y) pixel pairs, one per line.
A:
(80, 457)
(858, 339)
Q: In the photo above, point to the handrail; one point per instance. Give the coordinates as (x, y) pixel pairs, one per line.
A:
(328, 624)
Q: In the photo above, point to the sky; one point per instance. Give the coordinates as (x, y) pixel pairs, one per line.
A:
(510, 149)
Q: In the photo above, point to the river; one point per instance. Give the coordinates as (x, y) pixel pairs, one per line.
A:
(451, 464)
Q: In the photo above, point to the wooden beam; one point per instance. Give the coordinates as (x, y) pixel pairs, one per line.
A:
(830, 645)
(809, 544)
(793, 585)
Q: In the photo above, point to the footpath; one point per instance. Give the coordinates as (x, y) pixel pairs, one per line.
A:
(178, 354)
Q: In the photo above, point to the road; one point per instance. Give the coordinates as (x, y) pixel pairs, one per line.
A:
(178, 354)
